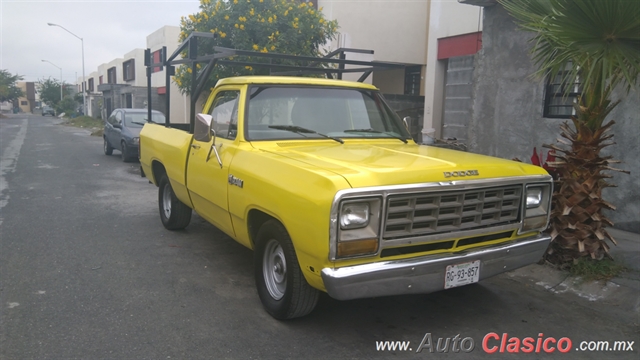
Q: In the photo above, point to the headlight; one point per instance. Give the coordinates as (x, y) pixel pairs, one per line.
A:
(538, 206)
(534, 197)
(358, 227)
(354, 215)
(136, 140)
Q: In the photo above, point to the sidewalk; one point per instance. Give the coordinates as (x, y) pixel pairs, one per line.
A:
(628, 249)
(618, 298)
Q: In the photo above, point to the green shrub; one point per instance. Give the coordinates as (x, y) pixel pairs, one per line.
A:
(590, 269)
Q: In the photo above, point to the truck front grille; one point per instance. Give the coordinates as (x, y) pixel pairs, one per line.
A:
(439, 212)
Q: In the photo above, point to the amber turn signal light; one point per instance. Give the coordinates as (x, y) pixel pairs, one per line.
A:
(357, 247)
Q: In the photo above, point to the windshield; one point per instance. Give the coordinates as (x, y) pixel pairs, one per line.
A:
(279, 112)
(138, 119)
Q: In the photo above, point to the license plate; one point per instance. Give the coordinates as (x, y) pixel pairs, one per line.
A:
(462, 274)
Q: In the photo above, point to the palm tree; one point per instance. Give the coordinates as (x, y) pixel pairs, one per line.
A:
(592, 46)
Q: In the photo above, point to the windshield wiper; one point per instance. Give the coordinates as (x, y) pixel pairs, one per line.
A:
(301, 130)
(377, 132)
(138, 123)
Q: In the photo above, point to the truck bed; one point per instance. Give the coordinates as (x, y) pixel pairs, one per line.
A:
(168, 147)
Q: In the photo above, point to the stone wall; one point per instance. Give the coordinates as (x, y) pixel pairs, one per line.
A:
(507, 116)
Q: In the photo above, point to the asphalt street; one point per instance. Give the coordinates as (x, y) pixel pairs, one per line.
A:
(88, 271)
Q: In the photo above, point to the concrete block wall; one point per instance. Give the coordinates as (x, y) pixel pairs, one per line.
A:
(457, 97)
(408, 105)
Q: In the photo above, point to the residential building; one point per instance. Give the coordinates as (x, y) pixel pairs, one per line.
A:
(122, 82)
(512, 112)
(400, 31)
(179, 103)
(426, 36)
(27, 102)
(454, 36)
(395, 30)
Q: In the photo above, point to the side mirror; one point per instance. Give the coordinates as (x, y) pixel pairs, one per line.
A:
(201, 130)
(117, 126)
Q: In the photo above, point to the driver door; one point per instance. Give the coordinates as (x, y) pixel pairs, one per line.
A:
(206, 176)
(114, 133)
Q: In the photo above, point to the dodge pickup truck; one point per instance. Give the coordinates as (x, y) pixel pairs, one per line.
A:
(323, 181)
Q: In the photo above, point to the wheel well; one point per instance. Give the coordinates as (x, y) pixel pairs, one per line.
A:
(255, 219)
(157, 170)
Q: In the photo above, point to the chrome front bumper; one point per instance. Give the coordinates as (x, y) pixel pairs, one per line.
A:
(426, 274)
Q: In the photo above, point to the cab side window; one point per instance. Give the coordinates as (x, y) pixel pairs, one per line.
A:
(117, 118)
(112, 119)
(224, 111)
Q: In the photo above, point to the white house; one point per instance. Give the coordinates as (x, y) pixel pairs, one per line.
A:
(122, 82)
(423, 35)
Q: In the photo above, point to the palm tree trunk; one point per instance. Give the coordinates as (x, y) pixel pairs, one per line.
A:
(577, 222)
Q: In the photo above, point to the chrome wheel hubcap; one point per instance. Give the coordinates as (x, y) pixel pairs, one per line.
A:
(274, 268)
(166, 201)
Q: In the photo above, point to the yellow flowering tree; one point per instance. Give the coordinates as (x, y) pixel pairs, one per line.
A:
(277, 26)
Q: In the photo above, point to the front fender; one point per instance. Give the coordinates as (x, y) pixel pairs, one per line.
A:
(296, 194)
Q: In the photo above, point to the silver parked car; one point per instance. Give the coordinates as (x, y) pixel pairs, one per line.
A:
(48, 110)
(122, 131)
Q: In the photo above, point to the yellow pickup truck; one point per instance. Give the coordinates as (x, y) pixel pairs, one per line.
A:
(323, 181)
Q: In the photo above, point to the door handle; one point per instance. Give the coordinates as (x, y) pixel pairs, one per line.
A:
(195, 146)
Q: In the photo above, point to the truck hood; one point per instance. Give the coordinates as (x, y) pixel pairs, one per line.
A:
(367, 163)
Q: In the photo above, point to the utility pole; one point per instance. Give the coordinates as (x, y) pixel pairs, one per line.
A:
(84, 93)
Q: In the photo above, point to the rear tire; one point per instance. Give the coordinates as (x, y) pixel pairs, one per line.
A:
(174, 214)
(108, 150)
(282, 288)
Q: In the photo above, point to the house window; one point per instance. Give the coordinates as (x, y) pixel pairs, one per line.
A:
(91, 84)
(157, 58)
(24, 103)
(100, 80)
(111, 75)
(128, 70)
(557, 103)
(412, 80)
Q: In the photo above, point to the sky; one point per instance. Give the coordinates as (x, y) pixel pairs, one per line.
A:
(109, 28)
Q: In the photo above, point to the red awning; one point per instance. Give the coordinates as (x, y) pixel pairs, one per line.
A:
(459, 45)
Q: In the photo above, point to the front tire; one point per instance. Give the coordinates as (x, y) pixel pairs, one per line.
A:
(174, 214)
(108, 150)
(282, 288)
(124, 152)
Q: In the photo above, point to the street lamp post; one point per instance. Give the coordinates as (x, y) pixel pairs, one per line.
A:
(60, 76)
(84, 94)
